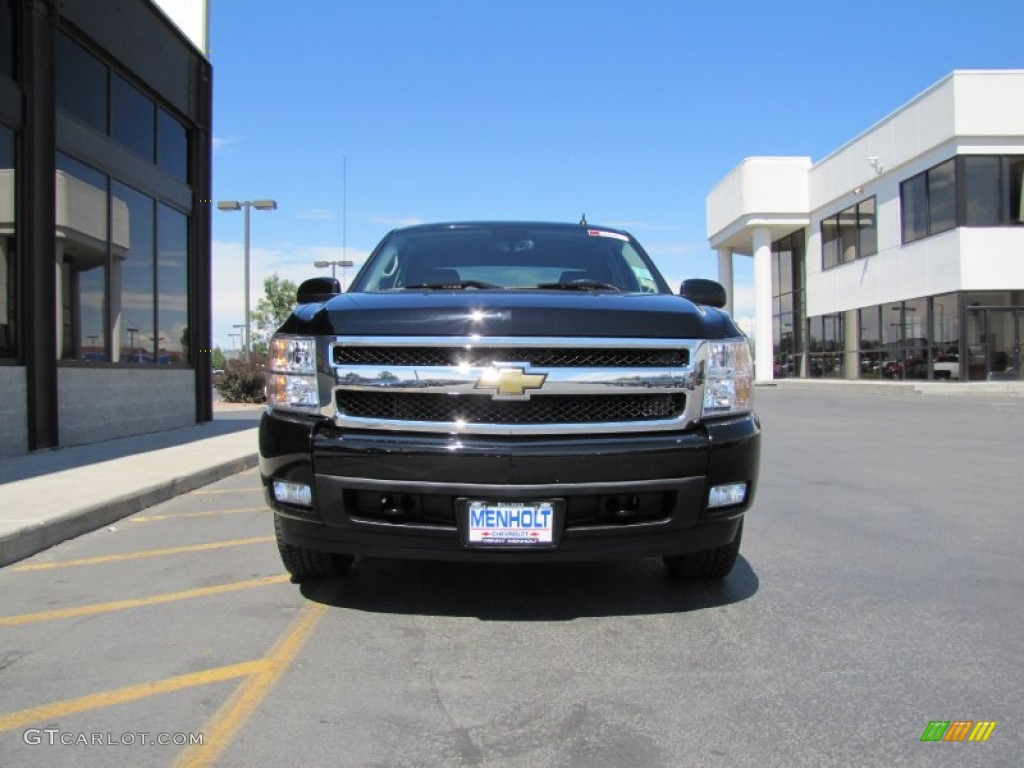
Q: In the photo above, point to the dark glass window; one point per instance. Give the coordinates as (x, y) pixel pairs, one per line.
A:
(867, 225)
(942, 197)
(132, 274)
(825, 358)
(172, 284)
(787, 304)
(892, 322)
(81, 83)
(929, 202)
(172, 146)
(8, 257)
(1015, 170)
(786, 282)
(905, 339)
(6, 39)
(132, 117)
(871, 355)
(848, 234)
(982, 185)
(945, 337)
(914, 200)
(816, 334)
(915, 339)
(82, 208)
(829, 243)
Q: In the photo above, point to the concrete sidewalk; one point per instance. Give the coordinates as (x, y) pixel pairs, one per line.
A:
(51, 496)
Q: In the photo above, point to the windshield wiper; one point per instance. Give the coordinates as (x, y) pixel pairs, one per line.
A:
(450, 286)
(580, 285)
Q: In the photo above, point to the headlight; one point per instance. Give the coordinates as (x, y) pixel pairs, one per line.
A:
(291, 374)
(730, 378)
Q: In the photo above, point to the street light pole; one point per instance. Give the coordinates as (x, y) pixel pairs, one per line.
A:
(240, 328)
(246, 280)
(235, 205)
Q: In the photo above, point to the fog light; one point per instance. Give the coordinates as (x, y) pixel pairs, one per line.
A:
(293, 493)
(727, 495)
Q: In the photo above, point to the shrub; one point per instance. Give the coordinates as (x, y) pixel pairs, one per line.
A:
(242, 382)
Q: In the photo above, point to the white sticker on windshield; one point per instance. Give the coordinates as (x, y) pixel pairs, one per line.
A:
(604, 233)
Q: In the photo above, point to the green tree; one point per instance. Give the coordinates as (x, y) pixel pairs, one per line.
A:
(271, 311)
(218, 359)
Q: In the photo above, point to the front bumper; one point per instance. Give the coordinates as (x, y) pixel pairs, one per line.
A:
(400, 495)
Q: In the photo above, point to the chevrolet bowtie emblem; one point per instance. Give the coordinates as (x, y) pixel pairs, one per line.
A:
(510, 381)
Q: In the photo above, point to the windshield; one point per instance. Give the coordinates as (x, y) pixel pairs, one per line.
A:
(509, 257)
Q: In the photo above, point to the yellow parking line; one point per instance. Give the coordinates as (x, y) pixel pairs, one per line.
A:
(222, 728)
(188, 515)
(59, 709)
(141, 555)
(120, 605)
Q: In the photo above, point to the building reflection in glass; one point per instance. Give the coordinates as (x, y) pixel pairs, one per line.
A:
(8, 260)
(82, 214)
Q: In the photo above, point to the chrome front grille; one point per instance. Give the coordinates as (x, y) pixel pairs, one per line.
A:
(535, 356)
(472, 385)
(482, 409)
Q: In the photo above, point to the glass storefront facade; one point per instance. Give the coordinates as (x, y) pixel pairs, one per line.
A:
(962, 336)
(8, 245)
(123, 253)
(788, 305)
(104, 234)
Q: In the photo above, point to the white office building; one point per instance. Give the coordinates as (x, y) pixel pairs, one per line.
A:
(901, 254)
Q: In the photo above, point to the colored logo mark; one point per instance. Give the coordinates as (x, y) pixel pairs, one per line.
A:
(958, 730)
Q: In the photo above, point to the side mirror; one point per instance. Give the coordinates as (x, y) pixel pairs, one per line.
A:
(701, 291)
(318, 289)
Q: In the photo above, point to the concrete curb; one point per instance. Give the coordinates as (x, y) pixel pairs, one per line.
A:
(937, 388)
(36, 537)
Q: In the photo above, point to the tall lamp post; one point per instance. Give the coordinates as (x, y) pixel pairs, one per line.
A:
(236, 205)
(343, 263)
(240, 329)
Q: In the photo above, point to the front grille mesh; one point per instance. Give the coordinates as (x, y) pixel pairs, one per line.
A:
(535, 356)
(481, 409)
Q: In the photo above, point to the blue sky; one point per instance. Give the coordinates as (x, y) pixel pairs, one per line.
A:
(631, 112)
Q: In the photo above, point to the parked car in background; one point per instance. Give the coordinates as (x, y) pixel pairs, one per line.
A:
(946, 367)
(892, 369)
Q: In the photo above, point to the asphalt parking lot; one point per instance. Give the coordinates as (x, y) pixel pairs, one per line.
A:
(878, 590)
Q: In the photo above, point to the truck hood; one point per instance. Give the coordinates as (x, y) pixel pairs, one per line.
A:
(501, 313)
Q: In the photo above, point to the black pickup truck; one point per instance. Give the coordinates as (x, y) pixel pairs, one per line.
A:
(509, 392)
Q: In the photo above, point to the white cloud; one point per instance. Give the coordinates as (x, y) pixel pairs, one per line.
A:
(220, 144)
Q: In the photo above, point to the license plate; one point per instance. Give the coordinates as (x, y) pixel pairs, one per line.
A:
(520, 524)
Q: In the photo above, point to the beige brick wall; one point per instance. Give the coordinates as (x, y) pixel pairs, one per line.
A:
(104, 403)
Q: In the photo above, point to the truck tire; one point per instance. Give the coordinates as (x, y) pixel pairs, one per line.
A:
(707, 564)
(306, 564)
